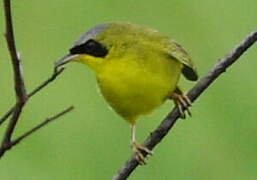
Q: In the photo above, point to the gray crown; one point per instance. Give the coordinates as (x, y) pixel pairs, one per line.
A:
(91, 34)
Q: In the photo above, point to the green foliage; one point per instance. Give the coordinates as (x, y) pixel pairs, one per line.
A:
(218, 142)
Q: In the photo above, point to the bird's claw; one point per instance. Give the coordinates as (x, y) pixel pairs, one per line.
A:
(139, 151)
(183, 103)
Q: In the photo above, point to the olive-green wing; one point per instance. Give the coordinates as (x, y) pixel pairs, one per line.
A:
(179, 53)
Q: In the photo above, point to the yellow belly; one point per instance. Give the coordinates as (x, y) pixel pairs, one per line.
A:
(134, 88)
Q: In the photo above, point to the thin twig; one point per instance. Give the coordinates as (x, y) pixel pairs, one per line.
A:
(33, 92)
(160, 132)
(6, 115)
(33, 130)
(55, 74)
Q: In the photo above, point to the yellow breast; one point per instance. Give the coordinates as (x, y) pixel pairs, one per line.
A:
(135, 87)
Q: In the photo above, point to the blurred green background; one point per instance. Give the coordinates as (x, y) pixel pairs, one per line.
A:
(92, 142)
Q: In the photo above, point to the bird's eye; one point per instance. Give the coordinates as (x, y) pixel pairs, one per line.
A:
(90, 47)
(91, 44)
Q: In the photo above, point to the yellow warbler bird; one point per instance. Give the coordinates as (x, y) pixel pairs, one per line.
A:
(137, 69)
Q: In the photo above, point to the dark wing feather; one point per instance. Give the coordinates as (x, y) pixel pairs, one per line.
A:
(179, 53)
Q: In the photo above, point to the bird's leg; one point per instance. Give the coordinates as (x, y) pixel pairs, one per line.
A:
(138, 148)
(182, 101)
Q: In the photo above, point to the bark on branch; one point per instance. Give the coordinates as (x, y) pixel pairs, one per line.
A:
(160, 132)
(20, 89)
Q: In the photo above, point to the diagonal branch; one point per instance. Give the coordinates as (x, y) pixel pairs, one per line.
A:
(33, 130)
(55, 74)
(160, 132)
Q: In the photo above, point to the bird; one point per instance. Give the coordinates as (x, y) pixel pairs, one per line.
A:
(137, 69)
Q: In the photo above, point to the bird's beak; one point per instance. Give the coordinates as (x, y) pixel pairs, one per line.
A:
(66, 59)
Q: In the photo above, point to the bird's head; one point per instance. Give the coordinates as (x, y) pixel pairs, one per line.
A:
(91, 48)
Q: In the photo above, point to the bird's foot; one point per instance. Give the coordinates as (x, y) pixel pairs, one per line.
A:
(183, 102)
(139, 151)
